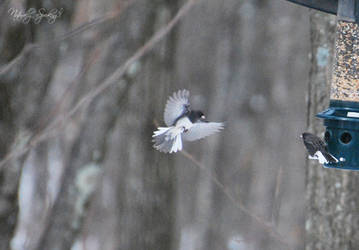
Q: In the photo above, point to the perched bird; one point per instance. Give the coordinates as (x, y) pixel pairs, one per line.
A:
(183, 123)
(317, 149)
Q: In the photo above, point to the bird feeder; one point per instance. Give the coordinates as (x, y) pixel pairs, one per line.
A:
(342, 117)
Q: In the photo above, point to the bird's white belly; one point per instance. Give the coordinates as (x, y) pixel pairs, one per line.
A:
(184, 123)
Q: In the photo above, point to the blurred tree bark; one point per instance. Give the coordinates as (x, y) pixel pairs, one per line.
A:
(22, 101)
(241, 61)
(332, 220)
(54, 77)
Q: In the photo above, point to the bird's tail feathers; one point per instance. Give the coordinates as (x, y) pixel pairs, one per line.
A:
(330, 158)
(325, 157)
(167, 139)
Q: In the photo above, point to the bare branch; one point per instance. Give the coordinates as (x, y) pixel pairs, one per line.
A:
(277, 192)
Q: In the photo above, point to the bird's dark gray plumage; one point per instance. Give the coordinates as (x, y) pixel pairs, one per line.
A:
(317, 149)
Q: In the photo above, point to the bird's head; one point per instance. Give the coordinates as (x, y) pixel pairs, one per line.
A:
(202, 117)
(197, 115)
(305, 135)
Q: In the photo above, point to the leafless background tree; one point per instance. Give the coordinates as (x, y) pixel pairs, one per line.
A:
(80, 98)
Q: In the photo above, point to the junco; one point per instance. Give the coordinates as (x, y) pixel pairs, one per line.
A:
(317, 149)
(183, 123)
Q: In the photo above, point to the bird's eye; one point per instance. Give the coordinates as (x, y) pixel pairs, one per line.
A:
(203, 117)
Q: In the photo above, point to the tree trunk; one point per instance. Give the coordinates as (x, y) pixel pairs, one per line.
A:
(332, 217)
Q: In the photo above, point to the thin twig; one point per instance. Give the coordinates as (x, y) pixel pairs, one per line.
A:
(276, 199)
(4, 69)
(237, 202)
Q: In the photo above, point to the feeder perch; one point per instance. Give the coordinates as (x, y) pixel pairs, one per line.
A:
(342, 117)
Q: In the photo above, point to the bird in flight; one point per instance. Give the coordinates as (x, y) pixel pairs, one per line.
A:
(182, 123)
(317, 149)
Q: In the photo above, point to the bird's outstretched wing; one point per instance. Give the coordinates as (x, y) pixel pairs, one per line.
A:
(177, 105)
(201, 130)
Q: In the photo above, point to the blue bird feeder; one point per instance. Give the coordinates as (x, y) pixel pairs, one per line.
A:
(342, 133)
(341, 119)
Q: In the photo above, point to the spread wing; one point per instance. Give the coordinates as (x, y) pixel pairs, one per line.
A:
(176, 106)
(201, 130)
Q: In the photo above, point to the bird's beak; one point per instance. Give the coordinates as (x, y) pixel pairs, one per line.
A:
(203, 118)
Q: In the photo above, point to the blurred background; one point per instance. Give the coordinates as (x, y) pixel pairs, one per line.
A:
(77, 168)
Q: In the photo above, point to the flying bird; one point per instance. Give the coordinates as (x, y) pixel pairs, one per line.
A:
(317, 149)
(182, 123)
